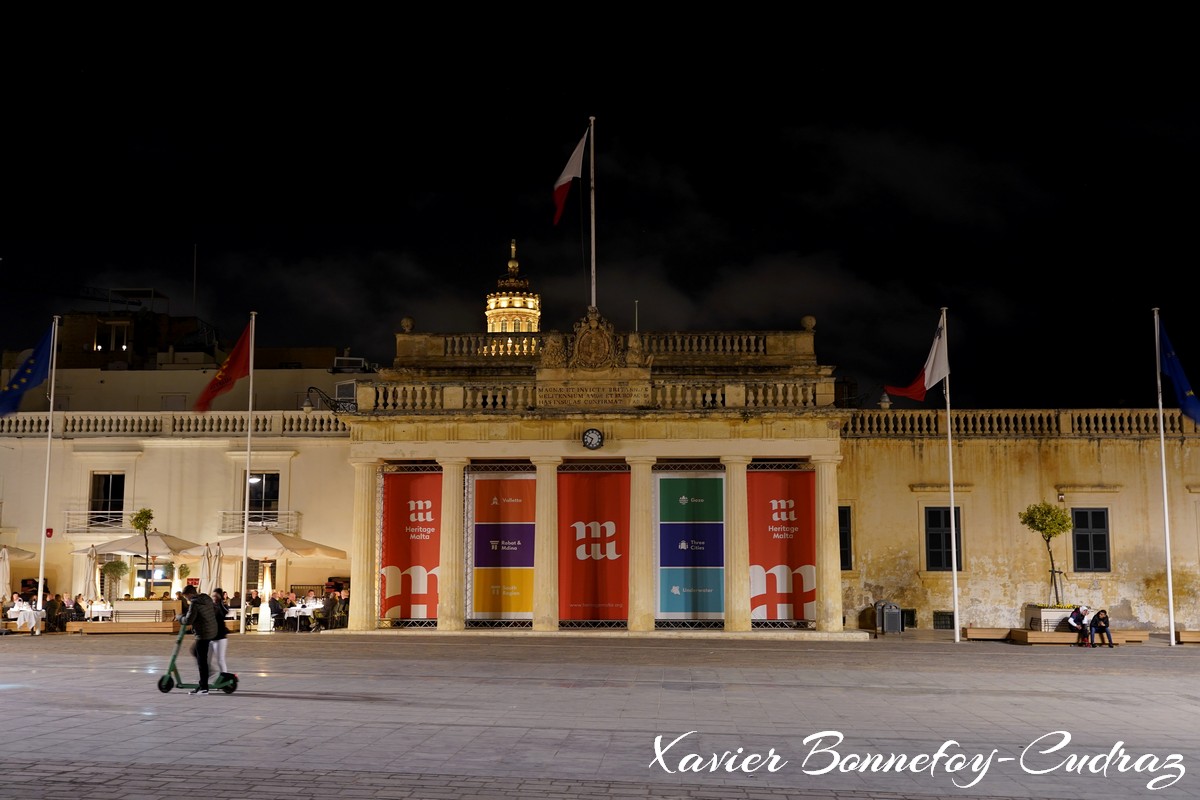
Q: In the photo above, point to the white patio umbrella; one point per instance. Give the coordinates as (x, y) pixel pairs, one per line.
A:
(210, 568)
(19, 554)
(93, 575)
(11, 554)
(270, 545)
(161, 545)
(5, 575)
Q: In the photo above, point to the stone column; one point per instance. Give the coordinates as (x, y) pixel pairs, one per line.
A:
(737, 545)
(545, 545)
(641, 544)
(364, 568)
(829, 559)
(452, 567)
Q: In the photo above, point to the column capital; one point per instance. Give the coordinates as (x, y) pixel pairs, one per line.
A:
(827, 458)
(545, 461)
(362, 461)
(454, 461)
(641, 460)
(735, 460)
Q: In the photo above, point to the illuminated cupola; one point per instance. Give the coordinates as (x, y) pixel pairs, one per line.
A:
(512, 308)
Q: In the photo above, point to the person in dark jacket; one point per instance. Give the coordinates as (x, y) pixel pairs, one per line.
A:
(1101, 625)
(221, 641)
(203, 618)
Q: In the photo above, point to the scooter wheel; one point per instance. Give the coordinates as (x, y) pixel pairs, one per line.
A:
(231, 687)
(166, 683)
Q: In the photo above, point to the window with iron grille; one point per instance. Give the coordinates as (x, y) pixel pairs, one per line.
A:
(1090, 539)
(937, 539)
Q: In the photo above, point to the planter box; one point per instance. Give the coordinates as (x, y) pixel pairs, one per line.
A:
(1046, 619)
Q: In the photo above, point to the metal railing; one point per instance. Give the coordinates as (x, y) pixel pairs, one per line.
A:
(278, 521)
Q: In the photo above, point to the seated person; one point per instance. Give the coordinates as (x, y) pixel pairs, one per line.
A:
(252, 605)
(323, 619)
(1101, 624)
(276, 607)
(79, 609)
(1078, 622)
(56, 614)
(25, 615)
(236, 600)
(342, 613)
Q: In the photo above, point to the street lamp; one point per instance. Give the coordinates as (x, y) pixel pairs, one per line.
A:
(333, 404)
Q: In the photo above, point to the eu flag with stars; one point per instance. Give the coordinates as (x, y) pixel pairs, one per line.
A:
(33, 371)
(1189, 404)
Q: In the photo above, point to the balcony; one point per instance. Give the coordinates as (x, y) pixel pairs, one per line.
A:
(278, 521)
(108, 522)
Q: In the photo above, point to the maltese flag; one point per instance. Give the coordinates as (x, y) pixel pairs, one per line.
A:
(937, 366)
(563, 185)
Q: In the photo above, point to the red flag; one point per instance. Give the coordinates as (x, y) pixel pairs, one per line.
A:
(563, 184)
(236, 367)
(937, 366)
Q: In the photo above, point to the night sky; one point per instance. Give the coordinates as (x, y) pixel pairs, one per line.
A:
(1046, 194)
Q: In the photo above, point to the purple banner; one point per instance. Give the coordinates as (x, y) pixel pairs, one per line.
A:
(506, 545)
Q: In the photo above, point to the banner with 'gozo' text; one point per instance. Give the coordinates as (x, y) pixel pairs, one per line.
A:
(593, 545)
(411, 545)
(502, 528)
(691, 545)
(783, 543)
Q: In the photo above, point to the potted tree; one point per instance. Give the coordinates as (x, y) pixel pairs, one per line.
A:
(1048, 521)
(140, 521)
(113, 571)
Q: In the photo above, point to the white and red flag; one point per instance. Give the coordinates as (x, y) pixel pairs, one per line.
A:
(937, 366)
(563, 185)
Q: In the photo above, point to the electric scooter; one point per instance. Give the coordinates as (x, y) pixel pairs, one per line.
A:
(226, 682)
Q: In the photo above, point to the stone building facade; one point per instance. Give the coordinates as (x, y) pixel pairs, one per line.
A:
(631, 480)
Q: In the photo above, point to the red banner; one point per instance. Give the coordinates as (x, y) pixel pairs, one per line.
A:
(593, 545)
(412, 502)
(783, 544)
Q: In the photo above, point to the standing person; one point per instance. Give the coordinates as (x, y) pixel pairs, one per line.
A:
(1078, 623)
(221, 642)
(202, 617)
(1100, 624)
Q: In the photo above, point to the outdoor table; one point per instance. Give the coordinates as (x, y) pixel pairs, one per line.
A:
(296, 612)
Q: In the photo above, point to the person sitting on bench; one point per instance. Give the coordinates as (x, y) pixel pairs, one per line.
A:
(1100, 624)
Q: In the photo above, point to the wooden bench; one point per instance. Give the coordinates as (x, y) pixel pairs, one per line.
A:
(1187, 637)
(1021, 636)
(84, 628)
(993, 634)
(11, 625)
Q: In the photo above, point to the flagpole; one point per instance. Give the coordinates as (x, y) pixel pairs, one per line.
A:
(46, 487)
(246, 501)
(1162, 451)
(950, 463)
(592, 196)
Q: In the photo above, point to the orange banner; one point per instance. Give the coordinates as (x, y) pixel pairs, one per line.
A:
(783, 544)
(411, 545)
(593, 545)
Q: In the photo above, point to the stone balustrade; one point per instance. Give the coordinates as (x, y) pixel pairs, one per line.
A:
(383, 398)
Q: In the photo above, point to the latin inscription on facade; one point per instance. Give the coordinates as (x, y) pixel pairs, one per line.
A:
(594, 395)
